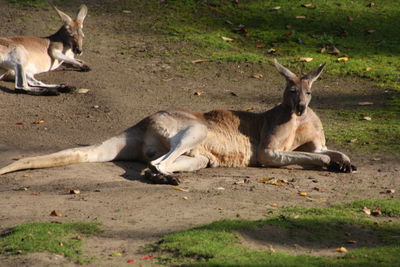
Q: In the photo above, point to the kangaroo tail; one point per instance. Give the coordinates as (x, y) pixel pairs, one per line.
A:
(107, 151)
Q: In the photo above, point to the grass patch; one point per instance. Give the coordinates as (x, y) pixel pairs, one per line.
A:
(32, 3)
(380, 134)
(219, 244)
(48, 237)
(366, 35)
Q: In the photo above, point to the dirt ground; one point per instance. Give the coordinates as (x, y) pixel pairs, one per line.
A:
(132, 77)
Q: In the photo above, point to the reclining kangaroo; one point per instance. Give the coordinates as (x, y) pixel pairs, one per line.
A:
(177, 140)
(22, 57)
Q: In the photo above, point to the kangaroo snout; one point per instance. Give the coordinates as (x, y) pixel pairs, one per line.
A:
(300, 109)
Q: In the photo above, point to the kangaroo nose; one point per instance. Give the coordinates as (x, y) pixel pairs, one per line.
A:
(300, 109)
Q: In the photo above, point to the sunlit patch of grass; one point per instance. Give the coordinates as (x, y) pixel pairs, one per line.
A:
(48, 237)
(218, 243)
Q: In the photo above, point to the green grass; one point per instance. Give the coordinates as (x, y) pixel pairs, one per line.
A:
(341, 23)
(218, 244)
(32, 3)
(380, 134)
(48, 237)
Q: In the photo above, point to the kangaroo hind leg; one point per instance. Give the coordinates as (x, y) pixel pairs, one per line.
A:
(184, 140)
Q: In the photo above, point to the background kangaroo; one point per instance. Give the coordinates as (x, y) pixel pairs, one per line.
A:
(22, 57)
(177, 140)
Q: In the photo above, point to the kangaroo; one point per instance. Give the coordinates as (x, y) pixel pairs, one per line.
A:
(177, 140)
(22, 57)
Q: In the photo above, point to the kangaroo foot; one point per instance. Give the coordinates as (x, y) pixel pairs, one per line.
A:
(341, 167)
(159, 178)
(38, 91)
(66, 89)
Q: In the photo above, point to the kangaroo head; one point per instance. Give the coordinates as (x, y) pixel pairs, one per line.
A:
(72, 29)
(297, 93)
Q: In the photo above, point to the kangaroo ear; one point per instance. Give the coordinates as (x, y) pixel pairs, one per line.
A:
(313, 75)
(64, 17)
(285, 72)
(82, 13)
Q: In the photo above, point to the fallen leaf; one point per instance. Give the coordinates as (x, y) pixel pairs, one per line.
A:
(296, 216)
(305, 59)
(376, 212)
(343, 59)
(372, 4)
(19, 123)
(366, 118)
(227, 39)
(271, 51)
(366, 211)
(233, 94)
(276, 8)
(319, 189)
(199, 93)
(368, 68)
(19, 251)
(303, 194)
(61, 244)
(390, 191)
(274, 205)
(147, 257)
(116, 254)
(74, 191)
(199, 61)
(260, 45)
(131, 261)
(179, 188)
(220, 188)
(27, 175)
(330, 49)
(353, 140)
(365, 103)
(185, 198)
(82, 91)
(308, 5)
(351, 241)
(341, 250)
(300, 17)
(56, 213)
(38, 122)
(78, 237)
(257, 76)
(126, 11)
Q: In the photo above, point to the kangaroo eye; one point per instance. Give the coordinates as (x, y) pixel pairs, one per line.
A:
(308, 93)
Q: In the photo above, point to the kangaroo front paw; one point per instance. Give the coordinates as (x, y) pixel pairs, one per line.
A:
(66, 89)
(84, 68)
(159, 178)
(345, 167)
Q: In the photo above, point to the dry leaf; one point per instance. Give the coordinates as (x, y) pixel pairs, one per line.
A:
(366, 211)
(83, 91)
(38, 122)
(131, 261)
(353, 140)
(185, 198)
(260, 45)
(274, 205)
(308, 5)
(368, 68)
(56, 213)
(271, 51)
(376, 212)
(390, 191)
(126, 11)
(343, 59)
(19, 123)
(303, 194)
(147, 257)
(365, 103)
(227, 39)
(220, 188)
(199, 93)
(199, 61)
(341, 250)
(319, 189)
(366, 118)
(74, 192)
(257, 76)
(305, 59)
(179, 188)
(300, 17)
(351, 241)
(78, 237)
(116, 254)
(330, 49)
(26, 175)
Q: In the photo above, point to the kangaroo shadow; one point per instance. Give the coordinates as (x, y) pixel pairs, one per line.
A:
(134, 171)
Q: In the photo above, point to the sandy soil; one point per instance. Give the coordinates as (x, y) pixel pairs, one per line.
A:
(126, 85)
